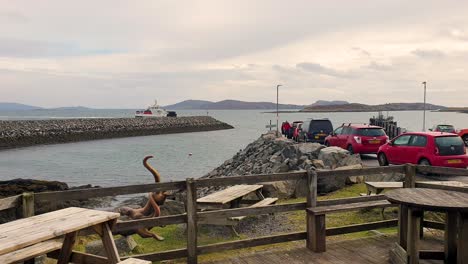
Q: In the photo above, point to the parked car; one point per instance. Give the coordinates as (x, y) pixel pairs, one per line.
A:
(425, 148)
(358, 138)
(443, 128)
(293, 128)
(463, 133)
(315, 130)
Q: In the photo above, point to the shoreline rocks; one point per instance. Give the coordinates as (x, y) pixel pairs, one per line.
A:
(24, 133)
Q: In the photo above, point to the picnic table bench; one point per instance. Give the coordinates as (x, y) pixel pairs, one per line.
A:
(232, 197)
(30, 237)
(378, 187)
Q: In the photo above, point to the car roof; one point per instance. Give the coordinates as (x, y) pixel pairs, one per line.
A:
(432, 134)
(318, 119)
(360, 126)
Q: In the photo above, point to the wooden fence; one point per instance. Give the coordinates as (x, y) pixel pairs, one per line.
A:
(26, 201)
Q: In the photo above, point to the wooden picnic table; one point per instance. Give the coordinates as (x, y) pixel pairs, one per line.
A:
(378, 187)
(413, 201)
(27, 238)
(229, 197)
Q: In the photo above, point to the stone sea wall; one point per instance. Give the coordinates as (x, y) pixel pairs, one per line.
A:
(34, 132)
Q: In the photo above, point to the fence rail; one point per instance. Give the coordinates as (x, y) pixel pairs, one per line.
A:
(193, 217)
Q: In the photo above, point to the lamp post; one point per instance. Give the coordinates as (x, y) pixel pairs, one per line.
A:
(277, 110)
(424, 111)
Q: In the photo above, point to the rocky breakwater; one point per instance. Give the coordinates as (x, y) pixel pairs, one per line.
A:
(33, 132)
(270, 154)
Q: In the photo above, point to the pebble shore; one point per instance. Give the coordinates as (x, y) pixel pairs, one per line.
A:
(24, 133)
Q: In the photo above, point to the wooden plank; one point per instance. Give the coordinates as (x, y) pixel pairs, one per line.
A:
(264, 202)
(448, 185)
(414, 219)
(431, 254)
(462, 254)
(410, 176)
(361, 172)
(109, 191)
(385, 185)
(10, 202)
(434, 225)
(28, 204)
(109, 244)
(65, 252)
(267, 240)
(403, 226)
(442, 170)
(31, 251)
(430, 199)
(250, 179)
(398, 255)
(348, 207)
(28, 231)
(311, 188)
(159, 256)
(361, 227)
(352, 200)
(317, 233)
(122, 226)
(206, 215)
(191, 221)
(229, 194)
(450, 237)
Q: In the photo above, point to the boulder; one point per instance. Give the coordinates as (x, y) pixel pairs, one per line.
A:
(280, 189)
(334, 157)
(310, 149)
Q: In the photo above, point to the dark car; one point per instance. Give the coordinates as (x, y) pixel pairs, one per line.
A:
(316, 130)
(444, 128)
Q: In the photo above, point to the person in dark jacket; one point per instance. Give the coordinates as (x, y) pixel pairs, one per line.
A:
(286, 127)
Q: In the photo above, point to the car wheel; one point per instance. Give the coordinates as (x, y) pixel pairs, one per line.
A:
(350, 149)
(382, 159)
(465, 139)
(424, 162)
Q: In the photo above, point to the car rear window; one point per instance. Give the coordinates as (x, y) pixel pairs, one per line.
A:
(371, 132)
(450, 146)
(445, 128)
(321, 125)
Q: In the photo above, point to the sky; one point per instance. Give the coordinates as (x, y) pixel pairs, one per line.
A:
(125, 54)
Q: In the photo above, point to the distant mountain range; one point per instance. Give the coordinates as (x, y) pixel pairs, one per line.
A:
(5, 106)
(354, 107)
(228, 105)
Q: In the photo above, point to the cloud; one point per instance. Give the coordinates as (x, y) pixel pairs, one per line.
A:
(319, 69)
(428, 54)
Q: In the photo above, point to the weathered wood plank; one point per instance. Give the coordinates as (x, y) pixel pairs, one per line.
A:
(410, 176)
(109, 191)
(135, 261)
(80, 257)
(317, 233)
(122, 226)
(361, 227)
(28, 204)
(413, 246)
(109, 244)
(31, 251)
(205, 216)
(450, 245)
(403, 226)
(361, 172)
(434, 224)
(448, 186)
(10, 202)
(348, 207)
(65, 252)
(252, 242)
(165, 255)
(442, 170)
(191, 221)
(251, 179)
(229, 194)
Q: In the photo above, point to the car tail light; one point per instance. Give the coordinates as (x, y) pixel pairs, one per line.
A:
(437, 151)
(358, 140)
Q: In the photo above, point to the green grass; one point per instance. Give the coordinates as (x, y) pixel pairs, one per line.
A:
(175, 237)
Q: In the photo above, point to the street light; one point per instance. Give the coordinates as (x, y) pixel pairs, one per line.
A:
(424, 112)
(277, 116)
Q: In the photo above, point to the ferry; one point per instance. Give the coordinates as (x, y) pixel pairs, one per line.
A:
(155, 111)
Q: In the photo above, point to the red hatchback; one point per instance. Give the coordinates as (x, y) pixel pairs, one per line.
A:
(362, 139)
(425, 148)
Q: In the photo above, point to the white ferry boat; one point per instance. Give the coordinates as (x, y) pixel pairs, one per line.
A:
(154, 111)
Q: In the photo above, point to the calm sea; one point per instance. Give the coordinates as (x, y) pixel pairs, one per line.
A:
(114, 162)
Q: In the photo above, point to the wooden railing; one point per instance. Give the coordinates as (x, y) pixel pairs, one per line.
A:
(192, 216)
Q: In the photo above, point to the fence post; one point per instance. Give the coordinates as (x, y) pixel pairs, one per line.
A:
(191, 221)
(315, 224)
(410, 176)
(28, 204)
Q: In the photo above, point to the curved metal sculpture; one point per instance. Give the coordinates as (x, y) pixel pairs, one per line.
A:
(151, 208)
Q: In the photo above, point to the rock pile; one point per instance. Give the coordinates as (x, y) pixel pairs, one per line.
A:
(270, 154)
(34, 132)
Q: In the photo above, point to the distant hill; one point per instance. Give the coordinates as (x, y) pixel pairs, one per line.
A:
(71, 108)
(16, 107)
(229, 105)
(323, 102)
(355, 107)
(188, 105)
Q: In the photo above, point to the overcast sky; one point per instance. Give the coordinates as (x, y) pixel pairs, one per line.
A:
(124, 54)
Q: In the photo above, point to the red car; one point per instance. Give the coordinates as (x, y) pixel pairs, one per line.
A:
(463, 133)
(425, 148)
(362, 139)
